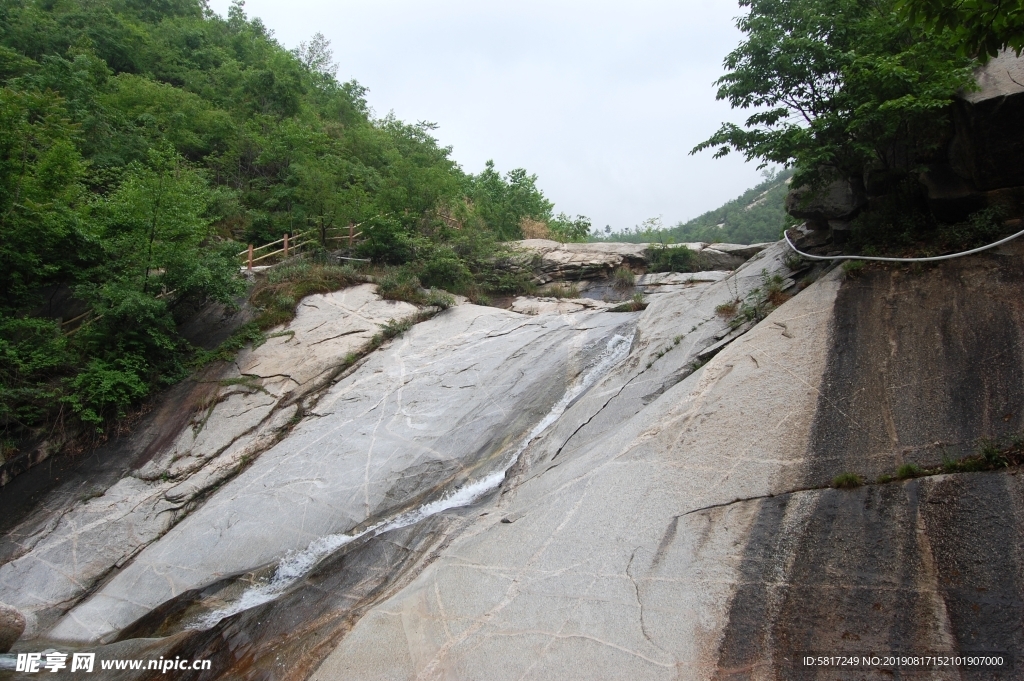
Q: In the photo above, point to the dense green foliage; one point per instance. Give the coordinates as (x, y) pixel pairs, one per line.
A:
(142, 142)
(838, 87)
(756, 216)
(977, 27)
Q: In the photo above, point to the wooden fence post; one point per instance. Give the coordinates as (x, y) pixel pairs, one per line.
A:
(250, 257)
(286, 244)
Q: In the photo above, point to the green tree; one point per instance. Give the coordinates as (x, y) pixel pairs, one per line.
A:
(40, 192)
(837, 86)
(565, 228)
(503, 202)
(977, 27)
(139, 137)
(155, 222)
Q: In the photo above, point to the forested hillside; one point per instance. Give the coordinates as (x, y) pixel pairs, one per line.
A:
(755, 216)
(144, 142)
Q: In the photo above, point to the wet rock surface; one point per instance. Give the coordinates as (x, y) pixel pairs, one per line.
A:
(928, 566)
(921, 365)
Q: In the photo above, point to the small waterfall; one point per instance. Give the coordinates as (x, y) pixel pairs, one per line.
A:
(296, 564)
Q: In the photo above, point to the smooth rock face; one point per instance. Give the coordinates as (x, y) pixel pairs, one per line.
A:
(744, 251)
(12, 625)
(720, 260)
(673, 282)
(61, 560)
(535, 306)
(287, 638)
(431, 412)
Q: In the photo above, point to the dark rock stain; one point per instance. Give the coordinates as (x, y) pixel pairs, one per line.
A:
(920, 365)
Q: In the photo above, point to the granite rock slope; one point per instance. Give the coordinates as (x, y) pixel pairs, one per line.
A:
(285, 452)
(318, 609)
(698, 539)
(599, 572)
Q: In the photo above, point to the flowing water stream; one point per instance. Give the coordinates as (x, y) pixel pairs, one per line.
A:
(296, 564)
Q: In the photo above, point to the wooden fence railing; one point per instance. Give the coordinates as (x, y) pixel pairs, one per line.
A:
(292, 244)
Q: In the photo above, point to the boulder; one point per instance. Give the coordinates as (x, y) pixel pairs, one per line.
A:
(989, 142)
(537, 306)
(673, 282)
(839, 200)
(578, 261)
(805, 238)
(12, 625)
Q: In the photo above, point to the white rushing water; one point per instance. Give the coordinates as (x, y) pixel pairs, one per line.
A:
(296, 564)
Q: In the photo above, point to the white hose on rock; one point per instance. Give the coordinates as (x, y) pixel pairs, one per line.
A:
(867, 257)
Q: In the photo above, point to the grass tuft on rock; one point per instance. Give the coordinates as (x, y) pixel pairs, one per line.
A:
(847, 481)
(634, 304)
(623, 279)
(400, 284)
(908, 470)
(727, 309)
(563, 291)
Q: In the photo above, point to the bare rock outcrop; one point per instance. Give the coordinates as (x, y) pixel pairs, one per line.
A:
(432, 412)
(988, 145)
(573, 261)
(838, 201)
(576, 261)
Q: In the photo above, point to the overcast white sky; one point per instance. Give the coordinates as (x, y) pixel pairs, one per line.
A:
(601, 100)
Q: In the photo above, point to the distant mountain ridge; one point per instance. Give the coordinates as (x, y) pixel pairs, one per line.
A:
(756, 216)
